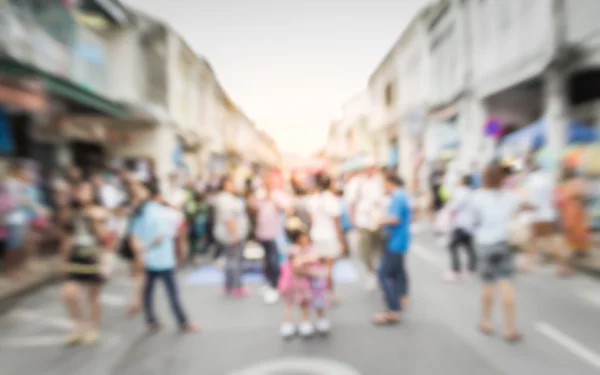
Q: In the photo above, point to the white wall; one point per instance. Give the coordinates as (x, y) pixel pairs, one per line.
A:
(125, 66)
(447, 44)
(512, 40)
(381, 115)
(157, 143)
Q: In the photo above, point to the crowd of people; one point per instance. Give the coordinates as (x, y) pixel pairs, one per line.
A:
(508, 209)
(303, 228)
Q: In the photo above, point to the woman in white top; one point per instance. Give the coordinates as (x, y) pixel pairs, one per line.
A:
(326, 232)
(231, 229)
(494, 207)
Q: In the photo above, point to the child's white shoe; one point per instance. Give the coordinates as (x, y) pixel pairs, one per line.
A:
(287, 330)
(306, 329)
(323, 326)
(271, 296)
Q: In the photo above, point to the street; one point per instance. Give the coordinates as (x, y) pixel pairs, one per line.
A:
(557, 317)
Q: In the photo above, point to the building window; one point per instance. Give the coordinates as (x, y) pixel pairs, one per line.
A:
(389, 94)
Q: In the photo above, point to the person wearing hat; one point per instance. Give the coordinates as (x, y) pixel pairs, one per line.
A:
(366, 204)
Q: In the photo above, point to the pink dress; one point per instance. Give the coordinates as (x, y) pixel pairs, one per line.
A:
(299, 289)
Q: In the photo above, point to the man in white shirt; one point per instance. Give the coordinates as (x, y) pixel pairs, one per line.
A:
(366, 202)
(539, 188)
(173, 193)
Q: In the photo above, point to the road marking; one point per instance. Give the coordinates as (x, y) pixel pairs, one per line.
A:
(592, 297)
(576, 348)
(35, 317)
(299, 365)
(54, 340)
(33, 342)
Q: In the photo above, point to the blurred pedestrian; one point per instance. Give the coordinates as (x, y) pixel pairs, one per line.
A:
(269, 210)
(494, 208)
(83, 250)
(540, 193)
(231, 228)
(366, 202)
(153, 236)
(574, 223)
(17, 219)
(393, 277)
(303, 284)
(326, 231)
(462, 226)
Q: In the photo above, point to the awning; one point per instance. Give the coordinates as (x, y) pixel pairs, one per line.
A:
(64, 88)
(23, 94)
(534, 135)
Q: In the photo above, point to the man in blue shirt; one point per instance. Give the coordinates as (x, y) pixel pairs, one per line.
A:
(392, 274)
(153, 235)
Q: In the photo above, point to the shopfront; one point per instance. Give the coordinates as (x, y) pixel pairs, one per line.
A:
(21, 102)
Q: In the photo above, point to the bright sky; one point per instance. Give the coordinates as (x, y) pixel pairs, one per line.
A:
(289, 64)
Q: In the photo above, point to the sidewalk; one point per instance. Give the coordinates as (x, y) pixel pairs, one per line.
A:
(11, 291)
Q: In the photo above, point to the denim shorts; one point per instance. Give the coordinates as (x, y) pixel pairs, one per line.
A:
(15, 237)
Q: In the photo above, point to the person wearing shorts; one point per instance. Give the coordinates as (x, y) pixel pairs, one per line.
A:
(494, 208)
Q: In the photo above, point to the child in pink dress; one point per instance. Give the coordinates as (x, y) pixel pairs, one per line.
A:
(303, 283)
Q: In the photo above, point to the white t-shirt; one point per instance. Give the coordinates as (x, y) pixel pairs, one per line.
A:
(368, 200)
(460, 206)
(230, 207)
(16, 190)
(493, 212)
(540, 194)
(323, 208)
(111, 196)
(175, 196)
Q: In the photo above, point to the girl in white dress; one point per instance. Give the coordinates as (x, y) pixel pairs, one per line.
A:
(326, 232)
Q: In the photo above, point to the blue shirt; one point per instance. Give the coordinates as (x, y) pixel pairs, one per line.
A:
(398, 235)
(345, 219)
(155, 220)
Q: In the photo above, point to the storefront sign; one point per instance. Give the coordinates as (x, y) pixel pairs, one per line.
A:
(90, 132)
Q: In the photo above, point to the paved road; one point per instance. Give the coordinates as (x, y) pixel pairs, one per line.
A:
(558, 317)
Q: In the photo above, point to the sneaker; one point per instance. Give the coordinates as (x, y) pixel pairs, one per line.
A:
(306, 329)
(451, 276)
(323, 326)
(287, 330)
(271, 297)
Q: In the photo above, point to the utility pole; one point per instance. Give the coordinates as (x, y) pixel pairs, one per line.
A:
(556, 88)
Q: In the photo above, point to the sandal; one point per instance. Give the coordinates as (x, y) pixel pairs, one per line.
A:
(134, 309)
(91, 338)
(385, 319)
(513, 338)
(154, 327)
(190, 328)
(485, 329)
(74, 338)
